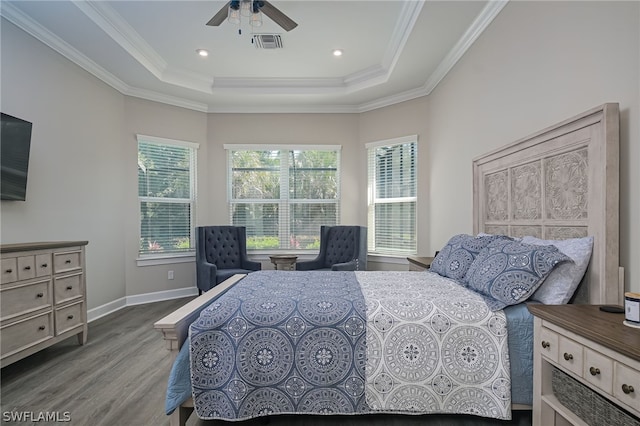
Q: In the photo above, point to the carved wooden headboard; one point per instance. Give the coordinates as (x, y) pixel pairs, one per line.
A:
(561, 182)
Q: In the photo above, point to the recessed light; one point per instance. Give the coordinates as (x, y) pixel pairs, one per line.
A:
(337, 52)
(202, 52)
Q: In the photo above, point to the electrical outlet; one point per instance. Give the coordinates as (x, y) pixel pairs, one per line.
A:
(170, 275)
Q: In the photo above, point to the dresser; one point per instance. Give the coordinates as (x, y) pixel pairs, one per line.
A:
(586, 367)
(42, 296)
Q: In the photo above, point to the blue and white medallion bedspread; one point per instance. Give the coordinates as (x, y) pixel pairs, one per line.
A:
(343, 342)
(281, 342)
(433, 346)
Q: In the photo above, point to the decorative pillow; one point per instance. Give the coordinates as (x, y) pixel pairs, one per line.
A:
(455, 258)
(507, 272)
(563, 281)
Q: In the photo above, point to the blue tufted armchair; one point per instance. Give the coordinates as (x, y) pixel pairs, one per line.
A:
(342, 248)
(221, 251)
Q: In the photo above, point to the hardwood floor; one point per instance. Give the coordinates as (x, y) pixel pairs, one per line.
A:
(119, 378)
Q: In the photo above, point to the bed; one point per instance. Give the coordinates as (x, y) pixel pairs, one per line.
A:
(559, 184)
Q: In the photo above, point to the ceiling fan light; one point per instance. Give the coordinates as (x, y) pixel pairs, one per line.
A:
(246, 7)
(256, 19)
(234, 15)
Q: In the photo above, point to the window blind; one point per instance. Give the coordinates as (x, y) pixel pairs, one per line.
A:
(392, 176)
(166, 192)
(284, 194)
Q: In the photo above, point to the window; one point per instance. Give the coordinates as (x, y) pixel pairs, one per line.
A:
(166, 190)
(392, 196)
(283, 194)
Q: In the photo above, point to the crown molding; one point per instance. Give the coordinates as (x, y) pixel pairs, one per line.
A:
(119, 30)
(286, 109)
(393, 99)
(489, 12)
(109, 21)
(112, 23)
(380, 73)
(33, 28)
(150, 95)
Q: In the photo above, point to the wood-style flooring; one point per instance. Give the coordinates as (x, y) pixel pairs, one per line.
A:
(120, 376)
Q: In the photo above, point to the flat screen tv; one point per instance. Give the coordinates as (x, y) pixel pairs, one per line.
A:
(15, 142)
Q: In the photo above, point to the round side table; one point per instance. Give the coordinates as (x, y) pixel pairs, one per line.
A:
(284, 262)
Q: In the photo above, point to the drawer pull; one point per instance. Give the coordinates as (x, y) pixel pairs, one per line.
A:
(27, 268)
(545, 344)
(67, 261)
(69, 317)
(40, 295)
(42, 327)
(627, 389)
(69, 287)
(568, 357)
(8, 271)
(594, 371)
(44, 265)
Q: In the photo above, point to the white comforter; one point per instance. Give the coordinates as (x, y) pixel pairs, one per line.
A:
(433, 346)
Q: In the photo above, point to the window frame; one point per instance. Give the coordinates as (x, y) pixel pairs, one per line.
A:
(283, 216)
(373, 200)
(154, 258)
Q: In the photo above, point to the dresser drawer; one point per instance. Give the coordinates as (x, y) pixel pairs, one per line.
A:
(66, 261)
(25, 333)
(548, 344)
(43, 265)
(598, 370)
(68, 287)
(9, 270)
(23, 299)
(570, 355)
(626, 385)
(68, 317)
(26, 267)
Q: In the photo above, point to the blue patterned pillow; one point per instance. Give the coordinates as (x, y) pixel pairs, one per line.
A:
(455, 258)
(507, 272)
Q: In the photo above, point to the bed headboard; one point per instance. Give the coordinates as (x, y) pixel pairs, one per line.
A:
(561, 182)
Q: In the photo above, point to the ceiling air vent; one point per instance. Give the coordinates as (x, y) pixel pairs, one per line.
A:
(267, 41)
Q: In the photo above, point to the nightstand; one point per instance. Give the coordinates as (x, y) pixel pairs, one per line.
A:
(586, 367)
(419, 263)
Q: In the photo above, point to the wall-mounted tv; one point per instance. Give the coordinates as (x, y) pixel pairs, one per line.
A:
(15, 142)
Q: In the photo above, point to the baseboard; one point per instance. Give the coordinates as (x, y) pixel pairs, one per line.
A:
(139, 299)
(106, 309)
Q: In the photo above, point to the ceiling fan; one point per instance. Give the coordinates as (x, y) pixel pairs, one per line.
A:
(254, 6)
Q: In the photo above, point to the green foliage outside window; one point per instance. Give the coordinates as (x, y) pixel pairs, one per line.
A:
(166, 199)
(284, 196)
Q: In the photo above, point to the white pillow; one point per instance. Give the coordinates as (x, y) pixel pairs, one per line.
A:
(563, 281)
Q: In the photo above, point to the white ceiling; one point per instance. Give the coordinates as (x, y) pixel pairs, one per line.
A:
(393, 50)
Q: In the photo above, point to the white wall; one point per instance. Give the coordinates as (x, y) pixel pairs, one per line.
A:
(404, 119)
(154, 119)
(537, 64)
(76, 173)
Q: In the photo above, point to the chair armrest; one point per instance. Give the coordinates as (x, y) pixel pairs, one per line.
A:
(309, 265)
(251, 265)
(206, 275)
(346, 266)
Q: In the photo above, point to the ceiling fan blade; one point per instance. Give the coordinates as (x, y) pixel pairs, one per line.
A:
(278, 17)
(219, 17)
